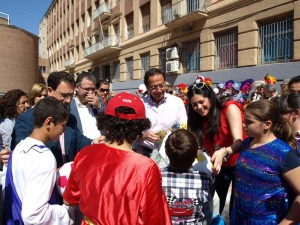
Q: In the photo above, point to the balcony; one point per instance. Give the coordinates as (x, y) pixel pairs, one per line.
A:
(146, 27)
(109, 45)
(130, 33)
(69, 63)
(103, 12)
(183, 12)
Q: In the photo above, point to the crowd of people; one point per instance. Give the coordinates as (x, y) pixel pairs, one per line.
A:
(132, 157)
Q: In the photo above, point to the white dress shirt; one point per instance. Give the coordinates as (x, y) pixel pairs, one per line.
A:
(88, 120)
(164, 115)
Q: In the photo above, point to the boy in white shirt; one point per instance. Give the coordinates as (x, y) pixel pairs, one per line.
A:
(30, 193)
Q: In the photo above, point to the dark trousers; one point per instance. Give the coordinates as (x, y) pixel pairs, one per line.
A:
(222, 183)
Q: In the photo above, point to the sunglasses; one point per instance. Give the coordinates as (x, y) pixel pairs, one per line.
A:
(104, 90)
(198, 86)
(43, 95)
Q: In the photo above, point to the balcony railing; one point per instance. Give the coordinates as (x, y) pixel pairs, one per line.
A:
(183, 8)
(103, 8)
(69, 63)
(107, 42)
(130, 33)
(146, 27)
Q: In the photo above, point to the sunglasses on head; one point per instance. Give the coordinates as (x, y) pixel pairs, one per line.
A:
(198, 86)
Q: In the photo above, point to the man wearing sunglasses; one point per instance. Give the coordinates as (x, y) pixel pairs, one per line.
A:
(86, 105)
(163, 110)
(103, 90)
(61, 86)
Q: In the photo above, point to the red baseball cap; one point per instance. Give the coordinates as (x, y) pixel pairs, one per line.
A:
(126, 99)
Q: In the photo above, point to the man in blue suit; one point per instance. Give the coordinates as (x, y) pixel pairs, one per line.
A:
(86, 105)
(61, 85)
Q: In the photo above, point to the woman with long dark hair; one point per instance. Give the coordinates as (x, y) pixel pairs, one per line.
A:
(220, 124)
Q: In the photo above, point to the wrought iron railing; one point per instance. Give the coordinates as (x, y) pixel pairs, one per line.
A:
(105, 43)
(103, 8)
(183, 8)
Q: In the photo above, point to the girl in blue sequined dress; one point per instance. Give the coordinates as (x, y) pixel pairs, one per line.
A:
(267, 188)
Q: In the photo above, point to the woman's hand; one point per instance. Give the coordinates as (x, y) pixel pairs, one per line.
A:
(217, 160)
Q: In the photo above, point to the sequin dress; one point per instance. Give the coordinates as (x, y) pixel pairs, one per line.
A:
(262, 196)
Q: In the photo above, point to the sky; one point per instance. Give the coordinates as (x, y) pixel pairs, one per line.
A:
(26, 14)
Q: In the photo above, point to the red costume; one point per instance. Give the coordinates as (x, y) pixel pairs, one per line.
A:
(114, 186)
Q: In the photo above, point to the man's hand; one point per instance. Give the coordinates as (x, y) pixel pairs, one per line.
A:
(99, 140)
(93, 100)
(4, 154)
(151, 136)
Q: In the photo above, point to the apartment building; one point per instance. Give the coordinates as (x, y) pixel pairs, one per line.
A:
(121, 39)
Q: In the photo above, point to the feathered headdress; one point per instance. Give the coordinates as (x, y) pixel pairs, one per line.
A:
(228, 84)
(237, 85)
(270, 79)
(258, 83)
(246, 85)
(199, 79)
(221, 85)
(182, 87)
(207, 80)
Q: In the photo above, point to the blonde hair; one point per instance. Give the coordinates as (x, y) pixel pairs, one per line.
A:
(36, 91)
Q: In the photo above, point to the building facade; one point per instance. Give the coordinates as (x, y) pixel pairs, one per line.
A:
(121, 39)
(18, 58)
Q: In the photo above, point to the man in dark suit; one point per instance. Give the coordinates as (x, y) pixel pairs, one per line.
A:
(60, 86)
(86, 105)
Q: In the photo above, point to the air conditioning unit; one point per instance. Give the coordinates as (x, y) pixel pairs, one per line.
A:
(172, 53)
(172, 66)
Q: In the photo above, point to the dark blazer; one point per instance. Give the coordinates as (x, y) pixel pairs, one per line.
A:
(73, 137)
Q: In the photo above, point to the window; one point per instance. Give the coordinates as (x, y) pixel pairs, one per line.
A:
(162, 60)
(166, 13)
(89, 17)
(226, 49)
(43, 69)
(191, 61)
(192, 5)
(77, 53)
(106, 72)
(145, 63)
(129, 68)
(276, 40)
(77, 27)
(130, 30)
(145, 10)
(82, 22)
(96, 72)
(116, 72)
(82, 50)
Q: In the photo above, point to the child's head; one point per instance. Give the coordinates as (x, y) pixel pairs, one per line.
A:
(182, 148)
(264, 110)
(124, 119)
(268, 112)
(49, 107)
